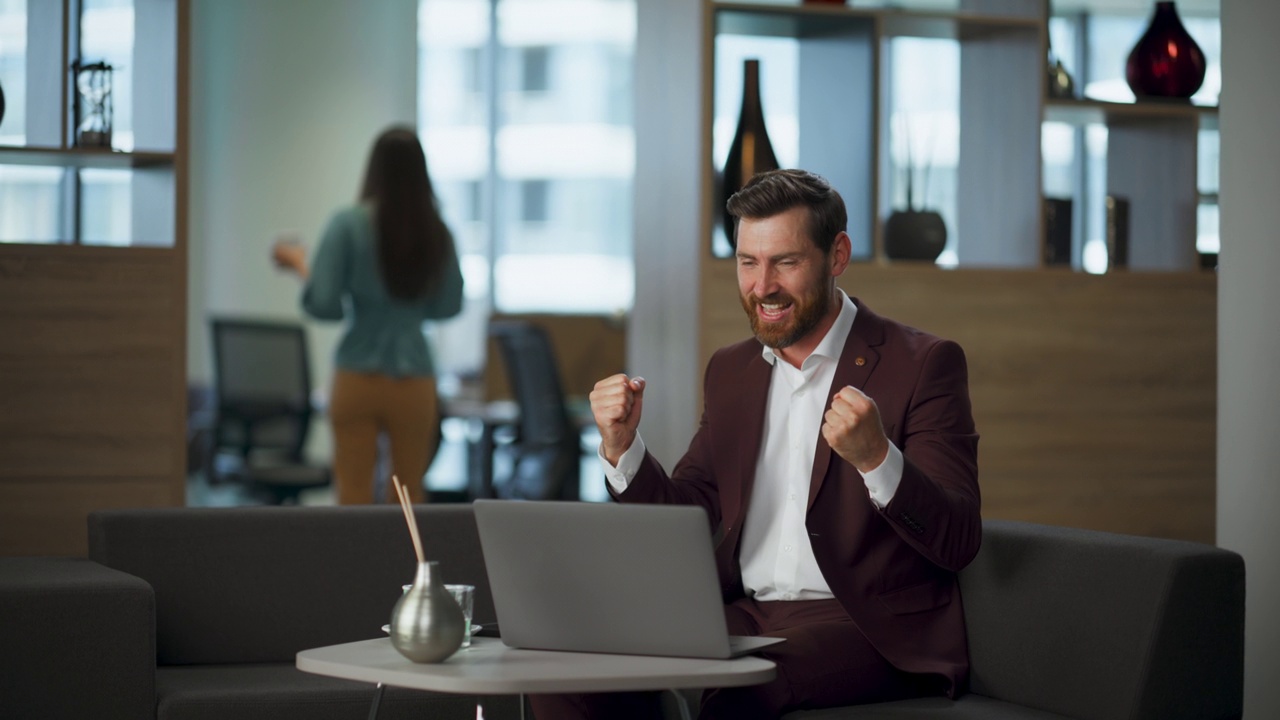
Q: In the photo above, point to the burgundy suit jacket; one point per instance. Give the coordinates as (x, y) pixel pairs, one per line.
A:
(893, 570)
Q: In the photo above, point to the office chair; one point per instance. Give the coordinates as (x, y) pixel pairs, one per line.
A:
(262, 381)
(546, 449)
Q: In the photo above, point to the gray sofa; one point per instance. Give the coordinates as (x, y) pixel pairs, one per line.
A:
(195, 614)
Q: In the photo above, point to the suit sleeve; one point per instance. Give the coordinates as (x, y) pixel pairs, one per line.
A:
(693, 482)
(936, 508)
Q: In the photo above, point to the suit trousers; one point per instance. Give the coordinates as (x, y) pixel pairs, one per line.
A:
(825, 662)
(364, 406)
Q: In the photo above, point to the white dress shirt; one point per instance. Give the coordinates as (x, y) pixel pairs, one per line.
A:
(776, 558)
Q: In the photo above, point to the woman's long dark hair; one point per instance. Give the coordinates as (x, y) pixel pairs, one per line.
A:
(413, 241)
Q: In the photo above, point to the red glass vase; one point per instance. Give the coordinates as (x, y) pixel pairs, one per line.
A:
(1166, 62)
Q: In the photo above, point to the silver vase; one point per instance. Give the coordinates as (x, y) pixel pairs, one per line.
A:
(426, 624)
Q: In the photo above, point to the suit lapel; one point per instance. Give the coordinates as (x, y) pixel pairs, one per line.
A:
(855, 365)
(749, 400)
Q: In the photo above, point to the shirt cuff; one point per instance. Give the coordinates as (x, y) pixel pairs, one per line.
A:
(628, 465)
(883, 481)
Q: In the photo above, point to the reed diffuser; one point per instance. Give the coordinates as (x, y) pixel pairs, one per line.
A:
(427, 626)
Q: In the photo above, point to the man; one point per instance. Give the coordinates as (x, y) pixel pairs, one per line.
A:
(837, 457)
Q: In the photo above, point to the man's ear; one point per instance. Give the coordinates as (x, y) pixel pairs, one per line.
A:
(841, 253)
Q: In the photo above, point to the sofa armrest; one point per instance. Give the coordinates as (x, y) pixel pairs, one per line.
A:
(77, 640)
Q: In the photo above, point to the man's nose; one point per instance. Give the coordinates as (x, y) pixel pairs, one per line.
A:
(766, 282)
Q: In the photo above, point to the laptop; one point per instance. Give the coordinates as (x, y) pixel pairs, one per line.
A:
(606, 578)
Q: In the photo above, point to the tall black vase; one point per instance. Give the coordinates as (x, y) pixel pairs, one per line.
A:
(1, 103)
(751, 151)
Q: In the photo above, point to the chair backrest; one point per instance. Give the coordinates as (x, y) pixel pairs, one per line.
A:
(534, 376)
(262, 383)
(1089, 624)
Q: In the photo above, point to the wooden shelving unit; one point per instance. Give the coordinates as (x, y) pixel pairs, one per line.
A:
(843, 117)
(93, 338)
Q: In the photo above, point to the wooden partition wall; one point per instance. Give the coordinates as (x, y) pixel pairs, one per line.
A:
(92, 389)
(1095, 396)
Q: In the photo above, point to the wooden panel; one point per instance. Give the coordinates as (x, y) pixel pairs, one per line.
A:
(588, 348)
(91, 383)
(38, 517)
(1095, 395)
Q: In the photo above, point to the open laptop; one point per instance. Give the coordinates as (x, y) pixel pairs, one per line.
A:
(606, 578)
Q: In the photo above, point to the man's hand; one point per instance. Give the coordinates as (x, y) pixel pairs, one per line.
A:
(616, 402)
(852, 428)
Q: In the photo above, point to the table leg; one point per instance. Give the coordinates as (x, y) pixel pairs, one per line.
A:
(377, 700)
(480, 447)
(682, 705)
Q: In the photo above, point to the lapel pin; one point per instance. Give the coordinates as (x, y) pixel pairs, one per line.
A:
(859, 361)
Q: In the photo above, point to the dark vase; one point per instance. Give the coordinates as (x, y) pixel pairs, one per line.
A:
(1, 103)
(1166, 62)
(914, 235)
(751, 151)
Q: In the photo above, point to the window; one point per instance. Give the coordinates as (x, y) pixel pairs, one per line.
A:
(534, 200)
(533, 162)
(535, 69)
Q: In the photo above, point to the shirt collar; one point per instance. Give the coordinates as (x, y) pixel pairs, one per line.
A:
(832, 343)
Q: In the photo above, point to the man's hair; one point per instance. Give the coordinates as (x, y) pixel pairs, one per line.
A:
(777, 191)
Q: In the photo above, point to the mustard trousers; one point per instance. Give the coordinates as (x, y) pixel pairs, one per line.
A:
(364, 406)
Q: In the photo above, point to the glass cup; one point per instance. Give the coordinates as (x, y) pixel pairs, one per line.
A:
(466, 597)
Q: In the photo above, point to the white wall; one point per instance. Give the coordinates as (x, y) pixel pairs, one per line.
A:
(286, 99)
(662, 333)
(1249, 335)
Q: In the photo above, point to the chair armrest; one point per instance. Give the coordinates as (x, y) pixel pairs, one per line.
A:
(77, 640)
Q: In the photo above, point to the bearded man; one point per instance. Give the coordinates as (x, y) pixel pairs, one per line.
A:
(837, 458)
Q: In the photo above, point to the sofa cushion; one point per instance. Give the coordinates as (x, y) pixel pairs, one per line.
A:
(258, 584)
(968, 707)
(282, 692)
(1103, 626)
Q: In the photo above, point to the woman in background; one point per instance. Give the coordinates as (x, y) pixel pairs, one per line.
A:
(386, 264)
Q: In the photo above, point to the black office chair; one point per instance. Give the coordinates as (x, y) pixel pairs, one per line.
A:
(262, 381)
(545, 451)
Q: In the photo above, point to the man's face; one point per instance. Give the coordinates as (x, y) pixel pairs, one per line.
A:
(785, 282)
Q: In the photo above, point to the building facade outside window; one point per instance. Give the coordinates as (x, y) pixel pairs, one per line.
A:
(525, 115)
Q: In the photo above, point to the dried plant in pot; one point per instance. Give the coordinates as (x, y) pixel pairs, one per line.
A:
(913, 234)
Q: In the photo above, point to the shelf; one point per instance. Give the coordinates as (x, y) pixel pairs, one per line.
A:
(818, 20)
(1087, 111)
(83, 158)
(794, 21)
(954, 26)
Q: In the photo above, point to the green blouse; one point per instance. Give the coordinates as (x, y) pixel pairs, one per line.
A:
(383, 335)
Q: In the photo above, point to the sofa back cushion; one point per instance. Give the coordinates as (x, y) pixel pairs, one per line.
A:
(1103, 626)
(258, 584)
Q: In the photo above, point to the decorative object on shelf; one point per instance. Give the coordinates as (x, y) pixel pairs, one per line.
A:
(1061, 85)
(1117, 232)
(1, 103)
(427, 625)
(1057, 231)
(1166, 62)
(914, 234)
(92, 104)
(751, 151)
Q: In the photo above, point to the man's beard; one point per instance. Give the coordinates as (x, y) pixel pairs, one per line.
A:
(806, 313)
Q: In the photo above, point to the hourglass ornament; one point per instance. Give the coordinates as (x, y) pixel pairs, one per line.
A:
(92, 104)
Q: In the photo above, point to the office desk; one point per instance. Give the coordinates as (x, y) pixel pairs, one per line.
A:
(489, 667)
(487, 417)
